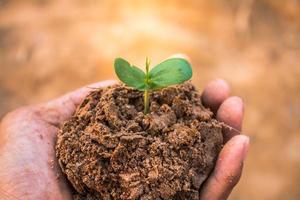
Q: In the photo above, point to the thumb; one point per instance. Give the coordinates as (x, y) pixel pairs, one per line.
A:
(58, 110)
(180, 55)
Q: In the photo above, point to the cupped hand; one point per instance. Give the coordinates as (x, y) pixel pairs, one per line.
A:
(29, 169)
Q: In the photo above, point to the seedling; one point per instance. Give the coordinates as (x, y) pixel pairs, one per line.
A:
(170, 72)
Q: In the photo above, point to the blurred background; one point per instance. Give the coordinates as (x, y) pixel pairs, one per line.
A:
(50, 47)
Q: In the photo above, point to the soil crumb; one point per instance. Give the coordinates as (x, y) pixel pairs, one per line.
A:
(110, 150)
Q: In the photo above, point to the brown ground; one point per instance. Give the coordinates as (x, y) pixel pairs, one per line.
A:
(50, 47)
(110, 150)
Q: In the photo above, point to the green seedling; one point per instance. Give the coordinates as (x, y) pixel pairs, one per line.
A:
(170, 72)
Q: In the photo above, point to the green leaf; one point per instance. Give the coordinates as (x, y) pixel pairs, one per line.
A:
(130, 75)
(170, 72)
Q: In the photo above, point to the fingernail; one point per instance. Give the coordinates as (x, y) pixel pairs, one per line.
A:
(180, 55)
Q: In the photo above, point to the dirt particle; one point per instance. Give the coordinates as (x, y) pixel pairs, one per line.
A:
(51, 163)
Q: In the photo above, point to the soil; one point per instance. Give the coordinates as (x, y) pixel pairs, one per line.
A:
(110, 150)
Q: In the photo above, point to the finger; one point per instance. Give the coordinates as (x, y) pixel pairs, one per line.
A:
(228, 169)
(181, 55)
(215, 93)
(231, 112)
(60, 109)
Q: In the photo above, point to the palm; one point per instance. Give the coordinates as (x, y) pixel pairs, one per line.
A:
(29, 169)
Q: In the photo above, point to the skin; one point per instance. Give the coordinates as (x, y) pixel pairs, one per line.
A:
(27, 138)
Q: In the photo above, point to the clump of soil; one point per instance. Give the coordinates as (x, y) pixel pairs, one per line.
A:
(110, 150)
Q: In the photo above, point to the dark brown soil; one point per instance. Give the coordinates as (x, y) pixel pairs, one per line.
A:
(110, 150)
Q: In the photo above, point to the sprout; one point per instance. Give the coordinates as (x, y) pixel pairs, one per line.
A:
(170, 72)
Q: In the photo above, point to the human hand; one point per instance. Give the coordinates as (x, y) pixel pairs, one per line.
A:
(229, 165)
(29, 168)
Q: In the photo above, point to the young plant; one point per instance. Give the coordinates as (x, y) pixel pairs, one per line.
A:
(170, 72)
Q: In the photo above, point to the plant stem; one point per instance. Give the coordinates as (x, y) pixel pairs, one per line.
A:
(146, 93)
(146, 102)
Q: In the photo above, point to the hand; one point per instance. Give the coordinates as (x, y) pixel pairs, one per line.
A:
(29, 169)
(28, 166)
(229, 165)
